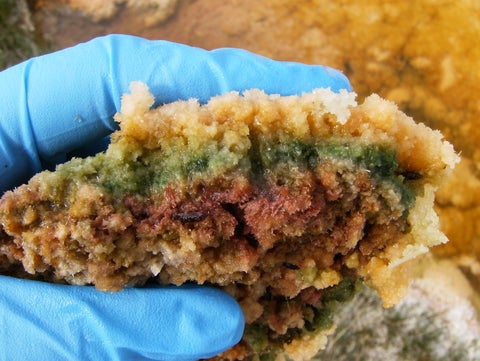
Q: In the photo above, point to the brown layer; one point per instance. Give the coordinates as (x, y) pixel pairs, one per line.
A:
(218, 230)
(274, 241)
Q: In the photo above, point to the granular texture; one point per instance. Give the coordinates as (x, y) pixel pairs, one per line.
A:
(287, 203)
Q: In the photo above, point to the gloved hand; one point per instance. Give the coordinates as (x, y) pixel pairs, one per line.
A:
(42, 321)
(64, 102)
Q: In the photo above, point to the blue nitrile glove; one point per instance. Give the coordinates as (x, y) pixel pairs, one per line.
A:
(42, 321)
(63, 102)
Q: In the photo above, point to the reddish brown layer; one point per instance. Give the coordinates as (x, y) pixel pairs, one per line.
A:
(252, 235)
(237, 225)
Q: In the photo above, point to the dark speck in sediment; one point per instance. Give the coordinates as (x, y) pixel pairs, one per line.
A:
(190, 217)
(411, 175)
(290, 266)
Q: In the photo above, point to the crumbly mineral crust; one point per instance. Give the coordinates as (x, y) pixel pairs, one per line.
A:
(278, 200)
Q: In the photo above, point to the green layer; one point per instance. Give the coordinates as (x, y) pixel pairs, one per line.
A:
(380, 160)
(257, 335)
(151, 171)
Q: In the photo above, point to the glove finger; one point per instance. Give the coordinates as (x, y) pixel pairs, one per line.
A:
(55, 322)
(62, 101)
(89, 95)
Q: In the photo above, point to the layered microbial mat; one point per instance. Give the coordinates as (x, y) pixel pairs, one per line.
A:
(287, 203)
